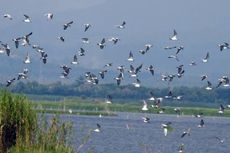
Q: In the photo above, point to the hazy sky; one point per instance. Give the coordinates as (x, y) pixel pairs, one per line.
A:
(201, 25)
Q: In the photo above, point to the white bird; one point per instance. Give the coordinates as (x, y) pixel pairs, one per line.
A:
(205, 59)
(27, 59)
(167, 128)
(137, 84)
(27, 19)
(49, 16)
(174, 36)
(8, 16)
(174, 56)
(145, 106)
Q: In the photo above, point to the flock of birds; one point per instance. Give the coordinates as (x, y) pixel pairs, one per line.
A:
(132, 71)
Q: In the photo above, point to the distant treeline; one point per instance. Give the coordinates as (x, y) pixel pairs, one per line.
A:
(81, 89)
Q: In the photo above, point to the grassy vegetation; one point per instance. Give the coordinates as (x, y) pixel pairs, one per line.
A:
(23, 132)
(87, 107)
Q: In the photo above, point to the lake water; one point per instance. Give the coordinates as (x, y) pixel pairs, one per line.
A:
(127, 133)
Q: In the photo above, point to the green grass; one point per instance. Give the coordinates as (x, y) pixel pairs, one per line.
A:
(24, 132)
(86, 107)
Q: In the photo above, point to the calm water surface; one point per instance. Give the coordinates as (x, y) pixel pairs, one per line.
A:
(127, 133)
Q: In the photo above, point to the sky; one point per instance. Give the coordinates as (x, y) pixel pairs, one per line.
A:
(201, 25)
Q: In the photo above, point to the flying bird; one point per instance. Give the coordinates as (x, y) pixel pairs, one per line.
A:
(27, 19)
(9, 82)
(224, 46)
(102, 43)
(205, 59)
(209, 86)
(145, 106)
(121, 26)
(49, 16)
(8, 16)
(98, 129)
(87, 26)
(75, 60)
(61, 38)
(174, 36)
(27, 59)
(67, 25)
(186, 132)
(201, 123)
(130, 58)
(167, 128)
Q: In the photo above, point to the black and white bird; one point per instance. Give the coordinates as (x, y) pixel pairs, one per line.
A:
(121, 26)
(181, 148)
(102, 73)
(151, 70)
(209, 86)
(61, 38)
(108, 99)
(130, 58)
(203, 77)
(137, 84)
(87, 26)
(67, 25)
(114, 40)
(206, 58)
(98, 129)
(201, 123)
(25, 39)
(23, 75)
(146, 119)
(16, 42)
(9, 82)
(221, 109)
(186, 132)
(174, 57)
(85, 40)
(27, 19)
(27, 59)
(81, 52)
(49, 16)
(119, 78)
(102, 43)
(75, 60)
(8, 16)
(174, 36)
(224, 80)
(179, 49)
(6, 47)
(148, 46)
(224, 46)
(193, 63)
